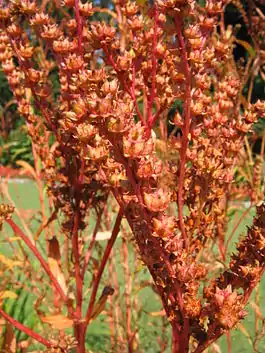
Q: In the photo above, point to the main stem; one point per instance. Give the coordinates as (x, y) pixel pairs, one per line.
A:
(186, 128)
(175, 341)
(180, 342)
(80, 337)
(81, 347)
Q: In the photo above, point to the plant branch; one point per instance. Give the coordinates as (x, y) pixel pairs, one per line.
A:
(38, 256)
(25, 329)
(79, 26)
(186, 128)
(154, 69)
(104, 260)
(127, 292)
(78, 278)
(92, 242)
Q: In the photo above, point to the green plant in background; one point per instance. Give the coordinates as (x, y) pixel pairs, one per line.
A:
(17, 146)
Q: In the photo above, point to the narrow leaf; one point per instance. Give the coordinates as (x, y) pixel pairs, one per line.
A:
(101, 304)
(54, 257)
(57, 321)
(28, 168)
(247, 46)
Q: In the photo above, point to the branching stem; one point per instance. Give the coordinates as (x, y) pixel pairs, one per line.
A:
(186, 128)
(103, 263)
(25, 329)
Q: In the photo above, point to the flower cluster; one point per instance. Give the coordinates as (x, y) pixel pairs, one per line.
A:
(6, 212)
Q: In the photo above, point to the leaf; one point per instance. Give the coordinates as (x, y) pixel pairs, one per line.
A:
(7, 294)
(57, 321)
(216, 348)
(157, 313)
(101, 304)
(45, 225)
(19, 151)
(257, 310)
(54, 257)
(8, 145)
(14, 239)
(247, 46)
(10, 343)
(245, 332)
(103, 235)
(10, 263)
(28, 168)
(54, 249)
(58, 274)
(262, 75)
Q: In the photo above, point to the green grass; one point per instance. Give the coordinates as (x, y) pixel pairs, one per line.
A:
(26, 198)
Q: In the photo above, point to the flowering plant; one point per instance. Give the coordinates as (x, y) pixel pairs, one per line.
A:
(115, 134)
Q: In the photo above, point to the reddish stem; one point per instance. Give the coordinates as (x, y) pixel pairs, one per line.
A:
(115, 310)
(218, 333)
(177, 290)
(38, 255)
(79, 27)
(155, 117)
(154, 68)
(91, 245)
(40, 190)
(25, 329)
(137, 191)
(103, 263)
(175, 341)
(78, 181)
(127, 292)
(185, 129)
(113, 340)
(75, 247)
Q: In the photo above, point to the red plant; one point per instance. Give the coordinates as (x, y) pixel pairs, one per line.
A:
(118, 81)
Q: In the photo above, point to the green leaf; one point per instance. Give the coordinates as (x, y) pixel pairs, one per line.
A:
(247, 46)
